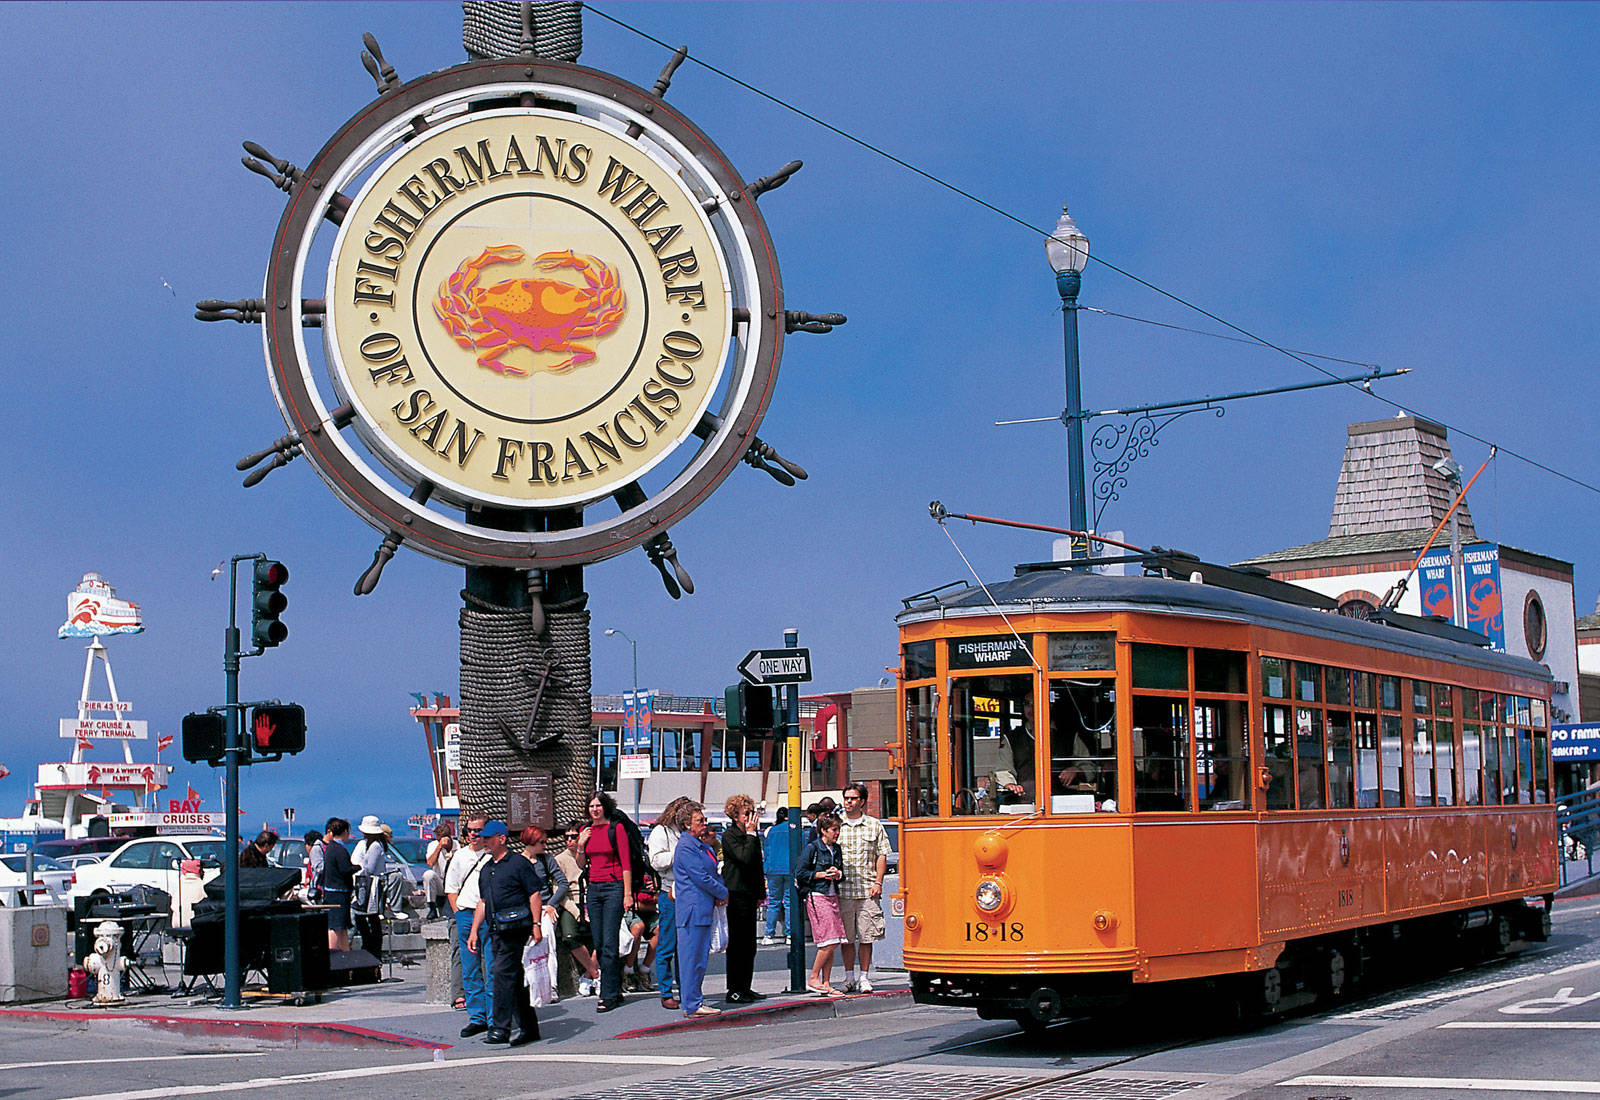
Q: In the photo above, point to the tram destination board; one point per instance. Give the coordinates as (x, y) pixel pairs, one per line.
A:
(530, 800)
(776, 666)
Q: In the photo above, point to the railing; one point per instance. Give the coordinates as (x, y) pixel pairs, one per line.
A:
(1578, 816)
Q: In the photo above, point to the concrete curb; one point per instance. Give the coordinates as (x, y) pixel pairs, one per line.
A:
(275, 1031)
(801, 1008)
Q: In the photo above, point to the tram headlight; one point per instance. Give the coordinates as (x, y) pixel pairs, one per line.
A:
(990, 895)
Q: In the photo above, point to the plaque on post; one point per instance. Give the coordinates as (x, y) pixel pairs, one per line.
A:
(531, 800)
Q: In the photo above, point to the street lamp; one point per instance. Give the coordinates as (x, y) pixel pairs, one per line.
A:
(1451, 472)
(633, 715)
(1068, 252)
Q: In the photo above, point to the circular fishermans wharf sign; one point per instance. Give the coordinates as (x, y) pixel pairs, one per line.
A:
(543, 290)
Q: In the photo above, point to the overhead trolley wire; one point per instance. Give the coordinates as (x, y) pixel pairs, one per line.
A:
(1248, 336)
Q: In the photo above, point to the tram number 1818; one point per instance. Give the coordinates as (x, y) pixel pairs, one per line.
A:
(980, 932)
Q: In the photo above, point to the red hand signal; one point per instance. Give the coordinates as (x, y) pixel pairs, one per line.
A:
(263, 731)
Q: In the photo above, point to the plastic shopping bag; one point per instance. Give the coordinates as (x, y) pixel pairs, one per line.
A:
(625, 935)
(719, 929)
(536, 968)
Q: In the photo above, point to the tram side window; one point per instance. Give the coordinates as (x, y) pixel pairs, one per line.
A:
(1541, 777)
(992, 745)
(1083, 746)
(918, 660)
(1274, 677)
(1471, 761)
(922, 753)
(1506, 776)
(1309, 771)
(1391, 756)
(1444, 763)
(1222, 760)
(1367, 759)
(1341, 760)
(1277, 740)
(1160, 740)
(1525, 774)
(1422, 760)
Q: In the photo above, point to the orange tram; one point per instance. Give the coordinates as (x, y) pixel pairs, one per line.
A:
(1201, 773)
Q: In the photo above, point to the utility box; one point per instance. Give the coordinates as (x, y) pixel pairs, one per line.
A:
(33, 953)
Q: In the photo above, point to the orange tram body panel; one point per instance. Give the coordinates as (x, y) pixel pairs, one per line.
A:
(1110, 781)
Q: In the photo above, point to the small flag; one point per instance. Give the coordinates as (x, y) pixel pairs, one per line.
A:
(105, 795)
(163, 742)
(192, 795)
(4, 771)
(84, 742)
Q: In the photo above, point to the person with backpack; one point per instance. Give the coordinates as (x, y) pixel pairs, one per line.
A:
(606, 849)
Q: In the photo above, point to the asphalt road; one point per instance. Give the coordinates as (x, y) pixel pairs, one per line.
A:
(1508, 1028)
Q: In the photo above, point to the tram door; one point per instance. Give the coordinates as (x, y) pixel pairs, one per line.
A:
(992, 734)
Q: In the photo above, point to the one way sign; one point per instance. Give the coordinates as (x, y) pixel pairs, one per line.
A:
(776, 666)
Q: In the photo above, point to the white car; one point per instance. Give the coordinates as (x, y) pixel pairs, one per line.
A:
(151, 861)
(51, 881)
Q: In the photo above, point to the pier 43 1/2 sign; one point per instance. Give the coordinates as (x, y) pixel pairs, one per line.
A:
(546, 290)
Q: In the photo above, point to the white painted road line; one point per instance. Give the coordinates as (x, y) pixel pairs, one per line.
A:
(1512, 1025)
(124, 1061)
(1463, 1084)
(384, 1071)
(1452, 994)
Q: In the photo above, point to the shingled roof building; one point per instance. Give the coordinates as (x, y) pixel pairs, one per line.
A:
(1389, 500)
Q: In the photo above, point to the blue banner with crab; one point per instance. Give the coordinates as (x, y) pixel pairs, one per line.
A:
(1481, 568)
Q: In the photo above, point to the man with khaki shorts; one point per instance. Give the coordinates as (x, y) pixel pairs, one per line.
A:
(866, 857)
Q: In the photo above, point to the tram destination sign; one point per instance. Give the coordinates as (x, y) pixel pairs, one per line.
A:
(776, 666)
(988, 653)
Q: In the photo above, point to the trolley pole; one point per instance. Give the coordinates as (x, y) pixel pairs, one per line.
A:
(794, 922)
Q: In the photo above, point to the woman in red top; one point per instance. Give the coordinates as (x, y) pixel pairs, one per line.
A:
(603, 848)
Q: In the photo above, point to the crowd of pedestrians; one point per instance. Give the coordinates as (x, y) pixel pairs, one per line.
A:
(635, 914)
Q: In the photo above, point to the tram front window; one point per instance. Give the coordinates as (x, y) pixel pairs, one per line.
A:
(992, 745)
(1083, 746)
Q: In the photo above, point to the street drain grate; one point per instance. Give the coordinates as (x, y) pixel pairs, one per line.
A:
(1110, 1088)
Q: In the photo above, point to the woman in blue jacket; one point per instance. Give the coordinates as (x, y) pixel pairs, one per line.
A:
(700, 890)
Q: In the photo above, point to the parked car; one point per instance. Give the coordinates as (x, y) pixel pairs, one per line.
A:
(80, 859)
(50, 884)
(79, 846)
(151, 861)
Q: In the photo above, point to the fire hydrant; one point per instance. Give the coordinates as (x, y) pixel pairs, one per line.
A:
(107, 963)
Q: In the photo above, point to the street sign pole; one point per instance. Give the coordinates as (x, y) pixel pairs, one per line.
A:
(794, 923)
(232, 977)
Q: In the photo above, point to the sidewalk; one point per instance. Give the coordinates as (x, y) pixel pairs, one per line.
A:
(394, 1013)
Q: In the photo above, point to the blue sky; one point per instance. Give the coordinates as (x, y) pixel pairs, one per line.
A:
(1407, 185)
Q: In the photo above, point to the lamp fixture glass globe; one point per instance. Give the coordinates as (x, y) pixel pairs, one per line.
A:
(1067, 249)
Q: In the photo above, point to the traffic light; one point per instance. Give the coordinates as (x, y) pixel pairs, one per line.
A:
(267, 603)
(204, 738)
(749, 710)
(277, 728)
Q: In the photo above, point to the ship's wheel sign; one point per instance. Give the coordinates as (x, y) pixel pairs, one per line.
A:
(540, 290)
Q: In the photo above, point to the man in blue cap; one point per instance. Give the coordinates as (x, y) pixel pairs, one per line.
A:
(509, 905)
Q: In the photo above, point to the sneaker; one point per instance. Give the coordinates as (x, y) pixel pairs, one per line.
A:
(862, 985)
(848, 985)
(767, 941)
(585, 987)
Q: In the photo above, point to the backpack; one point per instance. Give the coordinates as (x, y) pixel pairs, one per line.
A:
(638, 854)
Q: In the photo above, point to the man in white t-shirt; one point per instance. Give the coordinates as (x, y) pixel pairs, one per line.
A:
(461, 891)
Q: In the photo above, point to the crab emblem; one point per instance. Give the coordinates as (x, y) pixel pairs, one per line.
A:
(540, 314)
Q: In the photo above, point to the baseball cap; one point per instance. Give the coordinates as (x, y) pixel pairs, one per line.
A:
(494, 828)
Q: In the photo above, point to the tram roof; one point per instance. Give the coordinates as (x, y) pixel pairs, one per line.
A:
(1042, 590)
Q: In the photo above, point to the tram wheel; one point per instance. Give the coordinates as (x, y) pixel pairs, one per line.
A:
(1259, 993)
(1538, 924)
(1501, 934)
(1335, 973)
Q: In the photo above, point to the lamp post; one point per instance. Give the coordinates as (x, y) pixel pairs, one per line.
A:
(633, 716)
(1451, 471)
(1068, 252)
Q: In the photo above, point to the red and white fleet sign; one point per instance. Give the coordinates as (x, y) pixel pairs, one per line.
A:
(180, 822)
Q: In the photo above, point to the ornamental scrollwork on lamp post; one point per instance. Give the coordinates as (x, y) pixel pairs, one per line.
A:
(1114, 448)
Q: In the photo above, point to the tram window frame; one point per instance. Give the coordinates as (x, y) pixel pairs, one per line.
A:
(1311, 778)
(1153, 667)
(1541, 765)
(1446, 788)
(1151, 792)
(1471, 756)
(1277, 749)
(1274, 677)
(985, 788)
(1071, 772)
(1421, 697)
(1221, 671)
(1389, 697)
(1307, 682)
(918, 661)
(1525, 777)
(1221, 723)
(921, 740)
(1336, 693)
(1364, 690)
(1420, 750)
(1391, 759)
(1339, 744)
